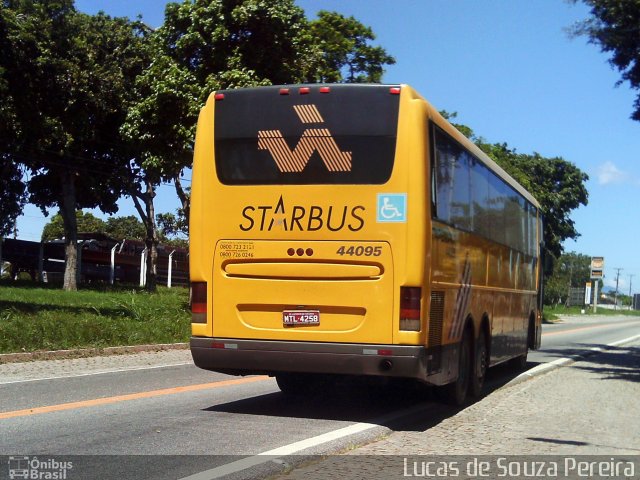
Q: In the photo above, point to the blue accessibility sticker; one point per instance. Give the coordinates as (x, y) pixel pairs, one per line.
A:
(392, 207)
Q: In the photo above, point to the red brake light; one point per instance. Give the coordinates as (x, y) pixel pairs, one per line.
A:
(410, 308)
(199, 302)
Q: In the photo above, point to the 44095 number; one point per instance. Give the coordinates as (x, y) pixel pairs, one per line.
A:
(360, 251)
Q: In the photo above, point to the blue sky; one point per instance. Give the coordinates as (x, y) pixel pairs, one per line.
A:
(513, 74)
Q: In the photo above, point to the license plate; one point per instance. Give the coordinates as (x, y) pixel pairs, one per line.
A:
(300, 317)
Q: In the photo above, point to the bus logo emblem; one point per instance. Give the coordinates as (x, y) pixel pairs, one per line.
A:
(312, 140)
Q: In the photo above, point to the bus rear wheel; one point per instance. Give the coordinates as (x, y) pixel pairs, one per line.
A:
(455, 393)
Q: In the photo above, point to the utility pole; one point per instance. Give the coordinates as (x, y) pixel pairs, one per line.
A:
(630, 296)
(615, 298)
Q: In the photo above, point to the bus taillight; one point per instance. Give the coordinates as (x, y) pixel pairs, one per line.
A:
(410, 309)
(199, 302)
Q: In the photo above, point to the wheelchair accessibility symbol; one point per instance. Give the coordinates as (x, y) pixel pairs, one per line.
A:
(392, 207)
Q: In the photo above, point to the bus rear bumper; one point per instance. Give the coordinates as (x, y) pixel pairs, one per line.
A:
(267, 357)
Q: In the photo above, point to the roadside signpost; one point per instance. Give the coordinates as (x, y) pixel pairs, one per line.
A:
(587, 293)
(597, 273)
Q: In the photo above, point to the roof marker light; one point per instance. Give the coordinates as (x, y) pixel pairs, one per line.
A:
(284, 91)
(394, 90)
(325, 89)
(219, 96)
(304, 90)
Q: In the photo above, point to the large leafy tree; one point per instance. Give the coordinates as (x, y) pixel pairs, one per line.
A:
(70, 78)
(614, 26)
(12, 194)
(86, 222)
(207, 45)
(12, 188)
(571, 269)
(121, 228)
(346, 52)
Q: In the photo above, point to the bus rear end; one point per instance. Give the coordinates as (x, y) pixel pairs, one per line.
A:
(308, 232)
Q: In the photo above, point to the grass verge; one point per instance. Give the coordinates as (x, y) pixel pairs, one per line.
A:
(553, 313)
(36, 317)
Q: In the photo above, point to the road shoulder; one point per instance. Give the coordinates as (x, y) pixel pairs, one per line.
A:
(581, 408)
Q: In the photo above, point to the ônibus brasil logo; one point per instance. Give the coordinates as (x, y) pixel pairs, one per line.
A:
(34, 468)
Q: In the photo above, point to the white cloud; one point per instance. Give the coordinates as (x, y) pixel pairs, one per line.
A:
(608, 173)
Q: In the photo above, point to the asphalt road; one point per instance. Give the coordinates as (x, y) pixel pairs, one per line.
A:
(577, 335)
(155, 417)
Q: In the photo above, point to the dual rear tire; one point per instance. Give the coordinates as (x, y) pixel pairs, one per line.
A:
(472, 370)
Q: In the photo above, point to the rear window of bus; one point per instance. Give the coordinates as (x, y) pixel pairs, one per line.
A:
(346, 135)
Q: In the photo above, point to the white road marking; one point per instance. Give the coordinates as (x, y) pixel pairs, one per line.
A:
(296, 447)
(540, 369)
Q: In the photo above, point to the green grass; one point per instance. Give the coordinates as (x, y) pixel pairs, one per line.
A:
(552, 313)
(37, 317)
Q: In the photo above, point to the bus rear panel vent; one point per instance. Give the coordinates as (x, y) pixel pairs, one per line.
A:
(436, 319)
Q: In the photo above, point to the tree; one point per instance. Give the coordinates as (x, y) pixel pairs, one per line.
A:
(464, 129)
(86, 222)
(203, 45)
(571, 269)
(121, 228)
(69, 77)
(12, 188)
(346, 54)
(172, 226)
(13, 194)
(614, 26)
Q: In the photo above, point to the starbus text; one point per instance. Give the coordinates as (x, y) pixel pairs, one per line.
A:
(303, 219)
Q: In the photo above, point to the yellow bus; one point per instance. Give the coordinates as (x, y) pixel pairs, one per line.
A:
(351, 230)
